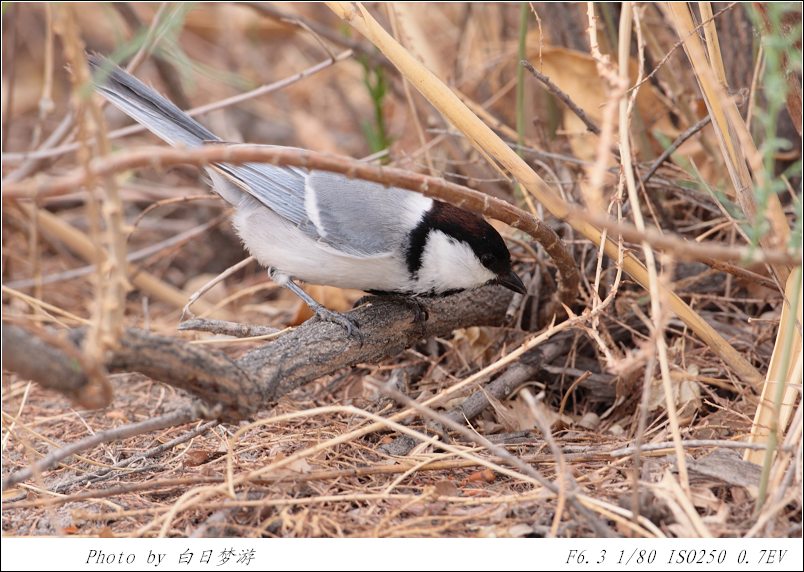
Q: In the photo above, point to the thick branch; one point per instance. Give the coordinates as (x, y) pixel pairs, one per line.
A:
(44, 360)
(316, 349)
(238, 388)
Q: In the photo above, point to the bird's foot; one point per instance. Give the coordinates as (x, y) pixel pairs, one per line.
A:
(347, 323)
(420, 313)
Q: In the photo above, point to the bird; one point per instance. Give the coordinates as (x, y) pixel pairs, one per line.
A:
(325, 228)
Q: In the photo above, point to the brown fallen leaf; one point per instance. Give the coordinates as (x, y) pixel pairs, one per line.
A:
(446, 489)
(485, 475)
(200, 456)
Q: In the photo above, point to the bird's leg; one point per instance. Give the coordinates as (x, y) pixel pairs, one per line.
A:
(349, 324)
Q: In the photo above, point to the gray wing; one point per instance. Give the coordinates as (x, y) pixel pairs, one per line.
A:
(360, 217)
(353, 216)
(281, 189)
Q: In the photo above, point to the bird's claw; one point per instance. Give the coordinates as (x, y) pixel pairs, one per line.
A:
(349, 324)
(420, 313)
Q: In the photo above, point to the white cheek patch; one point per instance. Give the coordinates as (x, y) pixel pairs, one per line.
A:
(450, 264)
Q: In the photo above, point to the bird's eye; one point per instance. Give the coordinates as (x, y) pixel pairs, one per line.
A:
(487, 259)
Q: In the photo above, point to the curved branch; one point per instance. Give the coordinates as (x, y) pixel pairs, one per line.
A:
(434, 187)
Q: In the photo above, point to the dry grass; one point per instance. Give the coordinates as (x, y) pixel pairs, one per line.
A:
(662, 352)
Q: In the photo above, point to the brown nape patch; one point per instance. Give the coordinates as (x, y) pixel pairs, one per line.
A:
(445, 215)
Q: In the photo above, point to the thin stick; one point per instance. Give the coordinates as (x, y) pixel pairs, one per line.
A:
(226, 328)
(111, 284)
(657, 313)
(689, 132)
(153, 452)
(563, 96)
(687, 444)
(209, 285)
(236, 153)
(53, 458)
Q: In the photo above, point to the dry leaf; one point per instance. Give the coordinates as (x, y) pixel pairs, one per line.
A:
(198, 457)
(686, 393)
(446, 489)
(485, 475)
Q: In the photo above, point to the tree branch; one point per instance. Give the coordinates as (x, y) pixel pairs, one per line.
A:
(236, 389)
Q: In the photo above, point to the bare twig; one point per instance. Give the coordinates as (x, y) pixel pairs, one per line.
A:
(161, 157)
(687, 444)
(112, 281)
(226, 328)
(211, 284)
(673, 146)
(629, 18)
(563, 96)
(179, 417)
(150, 453)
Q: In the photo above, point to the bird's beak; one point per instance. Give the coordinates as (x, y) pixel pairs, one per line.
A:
(512, 282)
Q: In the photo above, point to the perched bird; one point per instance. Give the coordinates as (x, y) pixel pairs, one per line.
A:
(325, 228)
